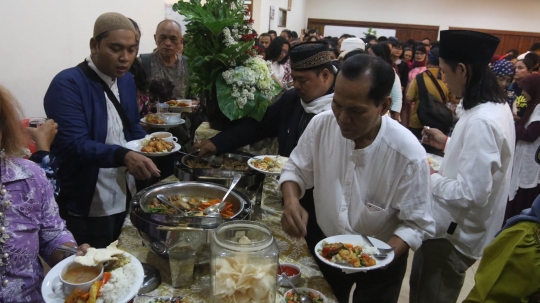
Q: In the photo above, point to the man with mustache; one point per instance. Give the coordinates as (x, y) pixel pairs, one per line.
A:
(95, 106)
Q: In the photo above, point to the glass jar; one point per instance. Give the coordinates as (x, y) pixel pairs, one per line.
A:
(244, 263)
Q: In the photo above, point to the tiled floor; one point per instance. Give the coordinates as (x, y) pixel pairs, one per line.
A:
(467, 286)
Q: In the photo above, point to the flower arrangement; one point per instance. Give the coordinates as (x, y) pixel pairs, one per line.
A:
(221, 52)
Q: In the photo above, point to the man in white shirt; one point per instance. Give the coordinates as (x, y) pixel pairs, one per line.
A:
(471, 188)
(535, 48)
(370, 176)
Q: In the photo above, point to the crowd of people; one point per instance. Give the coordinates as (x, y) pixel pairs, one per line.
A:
(356, 118)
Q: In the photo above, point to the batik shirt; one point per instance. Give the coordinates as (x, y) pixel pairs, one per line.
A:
(33, 226)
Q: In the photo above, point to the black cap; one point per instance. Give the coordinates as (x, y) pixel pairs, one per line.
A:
(309, 55)
(468, 46)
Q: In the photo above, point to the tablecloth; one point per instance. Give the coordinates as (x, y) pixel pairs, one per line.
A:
(291, 251)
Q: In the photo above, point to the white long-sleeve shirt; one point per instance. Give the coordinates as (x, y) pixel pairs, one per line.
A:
(392, 173)
(397, 95)
(471, 187)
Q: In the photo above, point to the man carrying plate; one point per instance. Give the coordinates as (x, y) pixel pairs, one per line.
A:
(287, 118)
(370, 176)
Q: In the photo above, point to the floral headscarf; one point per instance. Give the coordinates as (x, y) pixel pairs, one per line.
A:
(504, 68)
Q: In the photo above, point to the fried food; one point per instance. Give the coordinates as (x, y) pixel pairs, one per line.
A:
(156, 145)
(343, 253)
(194, 205)
(182, 104)
(154, 119)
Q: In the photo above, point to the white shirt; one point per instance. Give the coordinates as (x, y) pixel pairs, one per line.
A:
(471, 188)
(397, 95)
(522, 56)
(278, 70)
(392, 173)
(110, 194)
(525, 173)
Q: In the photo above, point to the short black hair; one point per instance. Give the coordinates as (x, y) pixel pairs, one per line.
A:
(528, 63)
(535, 47)
(357, 51)
(435, 44)
(397, 44)
(313, 31)
(347, 36)
(370, 38)
(272, 32)
(294, 35)
(273, 51)
(381, 74)
(482, 85)
(514, 52)
(170, 20)
(312, 37)
(535, 60)
(510, 57)
(382, 51)
(265, 35)
(382, 38)
(288, 32)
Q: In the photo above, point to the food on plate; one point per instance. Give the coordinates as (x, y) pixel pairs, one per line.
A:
(175, 103)
(228, 164)
(269, 164)
(195, 205)
(78, 274)
(153, 119)
(117, 278)
(347, 254)
(182, 104)
(172, 102)
(434, 164)
(293, 297)
(158, 300)
(156, 145)
(243, 279)
(289, 271)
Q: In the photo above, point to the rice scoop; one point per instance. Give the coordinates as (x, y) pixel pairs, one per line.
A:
(95, 256)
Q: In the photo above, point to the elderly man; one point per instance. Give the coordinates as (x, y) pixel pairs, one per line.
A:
(95, 105)
(370, 175)
(287, 118)
(471, 188)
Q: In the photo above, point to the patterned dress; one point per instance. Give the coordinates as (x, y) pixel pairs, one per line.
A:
(33, 226)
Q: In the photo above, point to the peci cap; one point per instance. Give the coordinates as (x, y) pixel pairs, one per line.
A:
(112, 21)
(309, 55)
(468, 47)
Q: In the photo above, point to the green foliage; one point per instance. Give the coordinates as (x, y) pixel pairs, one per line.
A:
(370, 32)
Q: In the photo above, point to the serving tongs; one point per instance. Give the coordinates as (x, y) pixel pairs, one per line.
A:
(212, 162)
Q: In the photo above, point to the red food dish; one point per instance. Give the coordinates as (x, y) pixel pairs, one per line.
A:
(289, 271)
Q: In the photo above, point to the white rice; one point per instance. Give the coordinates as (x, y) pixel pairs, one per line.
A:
(119, 285)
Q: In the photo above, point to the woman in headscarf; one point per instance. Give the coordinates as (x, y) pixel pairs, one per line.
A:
(419, 64)
(504, 70)
(524, 184)
(30, 225)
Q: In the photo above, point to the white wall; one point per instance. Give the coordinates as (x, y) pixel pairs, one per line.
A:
(41, 38)
(519, 15)
(296, 17)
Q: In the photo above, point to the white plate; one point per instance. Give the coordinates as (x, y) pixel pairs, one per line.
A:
(280, 158)
(52, 278)
(354, 239)
(136, 146)
(436, 160)
(165, 126)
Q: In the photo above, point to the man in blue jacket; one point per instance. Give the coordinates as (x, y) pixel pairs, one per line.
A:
(95, 105)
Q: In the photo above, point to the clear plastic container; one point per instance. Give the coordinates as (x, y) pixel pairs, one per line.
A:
(244, 263)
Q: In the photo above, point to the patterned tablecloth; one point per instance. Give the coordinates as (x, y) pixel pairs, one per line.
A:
(269, 213)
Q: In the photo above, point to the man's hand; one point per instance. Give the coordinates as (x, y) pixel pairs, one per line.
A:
(433, 137)
(395, 115)
(295, 217)
(400, 246)
(43, 136)
(140, 167)
(206, 147)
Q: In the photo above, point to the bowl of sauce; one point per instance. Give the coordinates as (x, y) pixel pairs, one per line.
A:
(292, 271)
(76, 276)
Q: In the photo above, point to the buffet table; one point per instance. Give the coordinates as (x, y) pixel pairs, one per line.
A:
(268, 213)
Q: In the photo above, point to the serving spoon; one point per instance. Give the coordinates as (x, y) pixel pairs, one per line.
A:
(213, 211)
(164, 200)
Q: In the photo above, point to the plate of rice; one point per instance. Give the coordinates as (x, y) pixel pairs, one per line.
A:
(123, 285)
(351, 253)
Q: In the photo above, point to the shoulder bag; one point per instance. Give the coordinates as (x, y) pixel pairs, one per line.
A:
(431, 111)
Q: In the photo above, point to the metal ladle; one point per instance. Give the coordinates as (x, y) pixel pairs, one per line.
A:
(214, 210)
(304, 298)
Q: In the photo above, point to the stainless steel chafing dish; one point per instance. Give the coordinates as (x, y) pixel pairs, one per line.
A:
(162, 232)
(251, 183)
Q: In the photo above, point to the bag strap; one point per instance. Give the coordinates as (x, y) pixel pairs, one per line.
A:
(441, 92)
(92, 75)
(422, 89)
